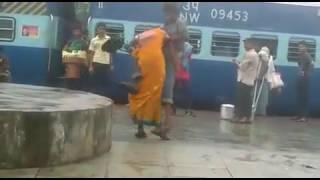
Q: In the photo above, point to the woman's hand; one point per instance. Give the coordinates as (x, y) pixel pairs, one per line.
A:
(91, 69)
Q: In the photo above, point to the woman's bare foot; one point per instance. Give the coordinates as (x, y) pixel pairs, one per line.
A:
(156, 132)
(164, 136)
(141, 134)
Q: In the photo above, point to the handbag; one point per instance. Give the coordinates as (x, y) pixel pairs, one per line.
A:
(276, 81)
(112, 45)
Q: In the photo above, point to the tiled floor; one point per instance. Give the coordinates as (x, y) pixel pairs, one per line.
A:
(201, 147)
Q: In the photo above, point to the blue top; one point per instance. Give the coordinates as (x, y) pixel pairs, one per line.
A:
(186, 56)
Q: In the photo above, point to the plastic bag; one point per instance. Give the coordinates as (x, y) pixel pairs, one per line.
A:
(276, 81)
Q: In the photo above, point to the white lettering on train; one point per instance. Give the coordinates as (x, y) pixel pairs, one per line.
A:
(230, 15)
(100, 5)
(190, 12)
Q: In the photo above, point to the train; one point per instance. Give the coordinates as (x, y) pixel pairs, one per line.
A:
(216, 31)
(32, 35)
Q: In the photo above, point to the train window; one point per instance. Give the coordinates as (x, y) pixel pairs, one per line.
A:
(7, 29)
(115, 30)
(293, 48)
(141, 28)
(266, 40)
(225, 44)
(195, 40)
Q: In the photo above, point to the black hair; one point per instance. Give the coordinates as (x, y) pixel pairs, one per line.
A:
(170, 7)
(101, 25)
(249, 40)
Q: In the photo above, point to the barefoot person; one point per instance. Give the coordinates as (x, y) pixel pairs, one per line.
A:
(177, 32)
(183, 83)
(145, 97)
(247, 72)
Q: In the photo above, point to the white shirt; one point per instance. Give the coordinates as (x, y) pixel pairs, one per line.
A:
(248, 68)
(271, 69)
(269, 60)
(99, 56)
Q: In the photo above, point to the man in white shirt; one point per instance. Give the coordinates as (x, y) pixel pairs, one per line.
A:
(100, 61)
(247, 73)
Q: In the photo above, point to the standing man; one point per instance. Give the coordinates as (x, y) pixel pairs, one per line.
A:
(305, 65)
(99, 61)
(247, 73)
(178, 34)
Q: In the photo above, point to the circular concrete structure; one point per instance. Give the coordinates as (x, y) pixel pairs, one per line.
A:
(44, 126)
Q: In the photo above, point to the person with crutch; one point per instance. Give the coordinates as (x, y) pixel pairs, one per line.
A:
(263, 83)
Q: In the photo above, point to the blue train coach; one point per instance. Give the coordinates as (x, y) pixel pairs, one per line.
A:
(32, 35)
(216, 31)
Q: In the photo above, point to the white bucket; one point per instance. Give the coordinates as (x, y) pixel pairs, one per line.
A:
(227, 111)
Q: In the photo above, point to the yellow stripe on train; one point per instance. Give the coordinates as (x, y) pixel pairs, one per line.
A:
(29, 8)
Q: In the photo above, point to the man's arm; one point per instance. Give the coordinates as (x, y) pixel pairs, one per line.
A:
(245, 64)
(310, 62)
(90, 55)
(172, 50)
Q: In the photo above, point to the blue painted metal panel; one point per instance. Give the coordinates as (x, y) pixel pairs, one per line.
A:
(261, 16)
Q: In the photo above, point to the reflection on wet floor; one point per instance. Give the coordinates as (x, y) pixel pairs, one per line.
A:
(202, 146)
(274, 133)
(270, 147)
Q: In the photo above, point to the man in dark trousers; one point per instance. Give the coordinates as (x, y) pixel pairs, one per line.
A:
(305, 66)
(247, 73)
(100, 61)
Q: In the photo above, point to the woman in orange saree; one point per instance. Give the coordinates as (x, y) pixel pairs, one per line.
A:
(145, 103)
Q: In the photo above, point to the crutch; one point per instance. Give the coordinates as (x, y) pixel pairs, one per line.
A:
(256, 95)
(256, 98)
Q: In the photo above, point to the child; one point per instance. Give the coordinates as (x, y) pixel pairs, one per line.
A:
(183, 77)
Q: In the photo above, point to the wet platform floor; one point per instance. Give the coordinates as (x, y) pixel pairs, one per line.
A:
(202, 146)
